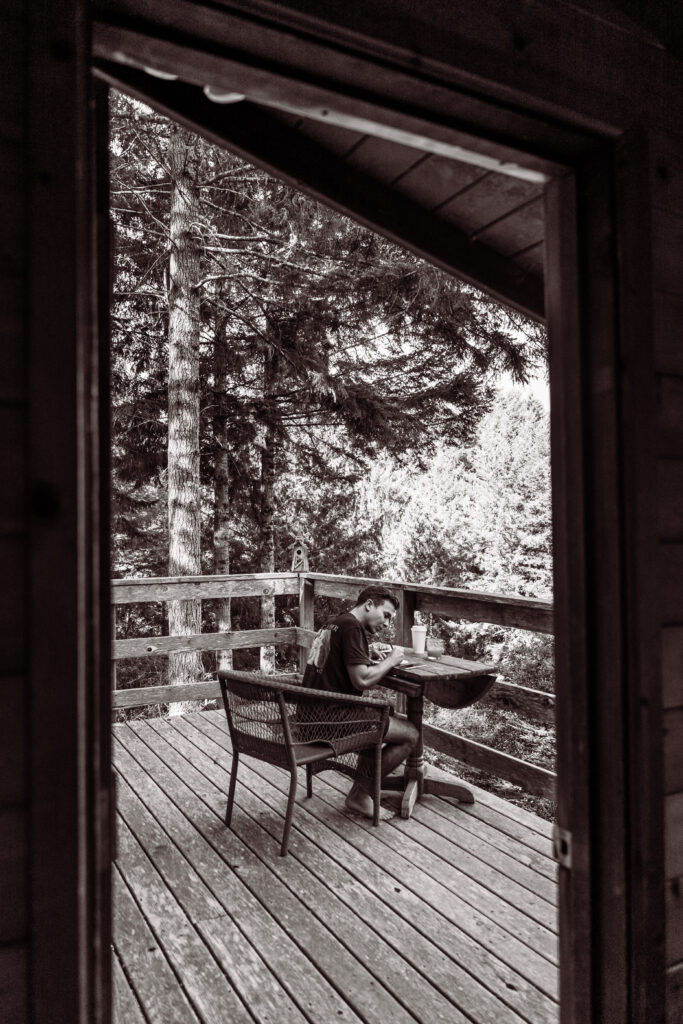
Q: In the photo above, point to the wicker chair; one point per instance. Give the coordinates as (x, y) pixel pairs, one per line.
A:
(275, 719)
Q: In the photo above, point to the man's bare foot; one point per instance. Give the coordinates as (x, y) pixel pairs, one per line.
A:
(359, 802)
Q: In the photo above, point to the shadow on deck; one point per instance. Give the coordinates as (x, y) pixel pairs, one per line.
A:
(447, 917)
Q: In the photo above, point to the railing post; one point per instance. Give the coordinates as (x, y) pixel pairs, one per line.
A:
(405, 618)
(306, 617)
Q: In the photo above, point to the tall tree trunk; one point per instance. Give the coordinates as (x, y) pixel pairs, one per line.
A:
(267, 509)
(221, 483)
(184, 617)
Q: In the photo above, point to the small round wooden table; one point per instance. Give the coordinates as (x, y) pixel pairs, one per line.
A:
(450, 683)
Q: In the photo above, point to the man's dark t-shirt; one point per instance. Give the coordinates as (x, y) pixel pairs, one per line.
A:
(343, 641)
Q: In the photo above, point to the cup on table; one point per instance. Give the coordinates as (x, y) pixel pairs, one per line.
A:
(419, 635)
(435, 647)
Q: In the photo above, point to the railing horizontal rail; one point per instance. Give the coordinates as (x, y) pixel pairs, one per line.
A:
(146, 695)
(141, 647)
(530, 777)
(183, 588)
(475, 606)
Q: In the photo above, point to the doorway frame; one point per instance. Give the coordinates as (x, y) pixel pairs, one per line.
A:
(598, 303)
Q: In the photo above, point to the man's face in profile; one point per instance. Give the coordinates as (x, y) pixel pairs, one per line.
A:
(379, 615)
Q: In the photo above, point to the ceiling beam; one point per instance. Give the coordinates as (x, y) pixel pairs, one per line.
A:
(261, 138)
(212, 48)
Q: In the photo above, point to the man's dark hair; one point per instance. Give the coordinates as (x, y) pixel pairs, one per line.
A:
(376, 595)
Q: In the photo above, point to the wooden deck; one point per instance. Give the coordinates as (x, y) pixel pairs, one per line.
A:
(447, 917)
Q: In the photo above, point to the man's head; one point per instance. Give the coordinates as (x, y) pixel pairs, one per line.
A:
(375, 607)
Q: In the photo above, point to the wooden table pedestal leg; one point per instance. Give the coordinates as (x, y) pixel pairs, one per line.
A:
(415, 767)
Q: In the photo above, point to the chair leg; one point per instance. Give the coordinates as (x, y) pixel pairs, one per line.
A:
(231, 789)
(309, 781)
(290, 812)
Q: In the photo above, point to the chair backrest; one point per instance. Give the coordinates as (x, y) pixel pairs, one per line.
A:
(257, 718)
(271, 718)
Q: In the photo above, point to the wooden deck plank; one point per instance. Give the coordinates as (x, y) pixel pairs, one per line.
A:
(542, 863)
(341, 874)
(367, 944)
(466, 876)
(484, 865)
(149, 972)
(125, 1007)
(365, 992)
(240, 962)
(465, 904)
(205, 984)
(221, 875)
(411, 989)
(349, 909)
(464, 955)
(396, 975)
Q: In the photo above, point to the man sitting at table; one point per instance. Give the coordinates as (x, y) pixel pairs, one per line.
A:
(340, 661)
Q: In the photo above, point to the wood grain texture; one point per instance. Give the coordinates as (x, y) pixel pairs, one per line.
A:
(674, 920)
(13, 638)
(12, 469)
(12, 740)
(673, 835)
(674, 994)
(129, 591)
(337, 959)
(666, 171)
(174, 926)
(335, 858)
(145, 963)
(667, 233)
(503, 609)
(530, 777)
(13, 875)
(517, 613)
(125, 1007)
(14, 984)
(673, 750)
(672, 666)
(305, 631)
(670, 499)
(145, 695)
(670, 575)
(670, 416)
(145, 646)
(668, 332)
(12, 353)
(12, 238)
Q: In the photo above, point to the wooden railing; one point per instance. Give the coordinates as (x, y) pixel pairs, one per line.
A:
(498, 609)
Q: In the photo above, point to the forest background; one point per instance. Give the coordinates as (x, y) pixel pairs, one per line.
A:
(280, 372)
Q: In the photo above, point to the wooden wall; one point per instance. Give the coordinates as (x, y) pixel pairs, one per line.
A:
(666, 169)
(14, 919)
(54, 754)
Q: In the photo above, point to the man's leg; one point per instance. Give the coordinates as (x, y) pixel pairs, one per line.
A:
(399, 740)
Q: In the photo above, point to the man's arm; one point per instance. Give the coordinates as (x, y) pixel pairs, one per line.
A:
(364, 677)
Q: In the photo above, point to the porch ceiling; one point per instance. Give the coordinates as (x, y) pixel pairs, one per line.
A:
(463, 198)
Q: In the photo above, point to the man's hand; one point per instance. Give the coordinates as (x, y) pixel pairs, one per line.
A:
(396, 656)
(364, 677)
(378, 652)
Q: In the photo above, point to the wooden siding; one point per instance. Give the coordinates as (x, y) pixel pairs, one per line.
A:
(14, 919)
(666, 177)
(53, 876)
